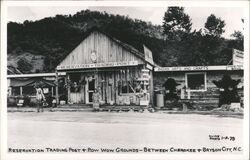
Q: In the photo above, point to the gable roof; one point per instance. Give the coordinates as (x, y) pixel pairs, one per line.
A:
(130, 48)
(134, 49)
(126, 46)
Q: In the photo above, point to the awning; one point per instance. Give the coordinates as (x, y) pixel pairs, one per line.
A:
(14, 82)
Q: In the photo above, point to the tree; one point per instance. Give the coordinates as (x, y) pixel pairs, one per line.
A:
(238, 35)
(24, 66)
(215, 26)
(176, 23)
(238, 39)
(203, 49)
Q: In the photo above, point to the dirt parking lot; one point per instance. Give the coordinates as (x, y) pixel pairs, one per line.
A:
(128, 130)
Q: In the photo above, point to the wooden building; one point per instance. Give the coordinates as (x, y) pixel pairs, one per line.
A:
(196, 82)
(103, 64)
(23, 85)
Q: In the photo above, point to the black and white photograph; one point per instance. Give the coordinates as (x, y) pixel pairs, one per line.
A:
(125, 80)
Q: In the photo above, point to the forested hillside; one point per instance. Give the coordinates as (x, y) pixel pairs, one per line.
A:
(38, 46)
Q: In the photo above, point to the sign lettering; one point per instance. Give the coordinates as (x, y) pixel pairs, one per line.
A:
(199, 68)
(98, 65)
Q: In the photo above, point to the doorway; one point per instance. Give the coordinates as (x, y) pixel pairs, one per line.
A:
(90, 89)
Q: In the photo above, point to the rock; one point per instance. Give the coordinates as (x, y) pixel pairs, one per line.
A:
(151, 109)
(225, 107)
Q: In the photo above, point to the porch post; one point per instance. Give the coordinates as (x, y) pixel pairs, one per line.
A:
(21, 91)
(52, 90)
(151, 89)
(57, 96)
(68, 89)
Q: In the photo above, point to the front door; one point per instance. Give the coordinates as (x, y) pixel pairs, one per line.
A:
(90, 90)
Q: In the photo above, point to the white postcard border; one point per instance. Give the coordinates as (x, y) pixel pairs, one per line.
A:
(4, 136)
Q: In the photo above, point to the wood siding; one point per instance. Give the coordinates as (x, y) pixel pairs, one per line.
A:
(108, 82)
(106, 50)
(212, 91)
(77, 97)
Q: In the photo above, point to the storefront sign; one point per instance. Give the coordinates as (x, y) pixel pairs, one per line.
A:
(148, 55)
(199, 68)
(98, 65)
(235, 67)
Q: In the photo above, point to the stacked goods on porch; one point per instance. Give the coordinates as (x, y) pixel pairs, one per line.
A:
(144, 80)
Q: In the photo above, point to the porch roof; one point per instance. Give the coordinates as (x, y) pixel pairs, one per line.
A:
(17, 82)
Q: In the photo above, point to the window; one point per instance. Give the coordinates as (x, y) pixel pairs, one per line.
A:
(196, 81)
(15, 91)
(128, 82)
(132, 86)
(129, 87)
(75, 82)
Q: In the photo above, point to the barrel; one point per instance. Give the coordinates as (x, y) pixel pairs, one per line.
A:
(159, 100)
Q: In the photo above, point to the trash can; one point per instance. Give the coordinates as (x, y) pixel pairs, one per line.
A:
(159, 100)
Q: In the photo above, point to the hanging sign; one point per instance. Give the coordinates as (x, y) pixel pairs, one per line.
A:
(148, 55)
(148, 66)
(98, 65)
(45, 90)
(238, 57)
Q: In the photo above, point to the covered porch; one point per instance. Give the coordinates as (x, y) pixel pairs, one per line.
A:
(122, 86)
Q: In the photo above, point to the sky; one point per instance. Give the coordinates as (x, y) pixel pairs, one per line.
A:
(231, 15)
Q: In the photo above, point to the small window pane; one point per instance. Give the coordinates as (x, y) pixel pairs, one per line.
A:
(15, 91)
(196, 81)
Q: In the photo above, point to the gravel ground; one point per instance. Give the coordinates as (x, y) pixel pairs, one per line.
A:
(128, 130)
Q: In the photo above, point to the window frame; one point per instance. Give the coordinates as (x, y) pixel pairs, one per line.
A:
(205, 81)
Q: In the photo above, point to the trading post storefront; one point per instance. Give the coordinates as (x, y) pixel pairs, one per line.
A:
(101, 64)
(198, 83)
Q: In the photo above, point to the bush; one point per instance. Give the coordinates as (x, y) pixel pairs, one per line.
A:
(11, 101)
